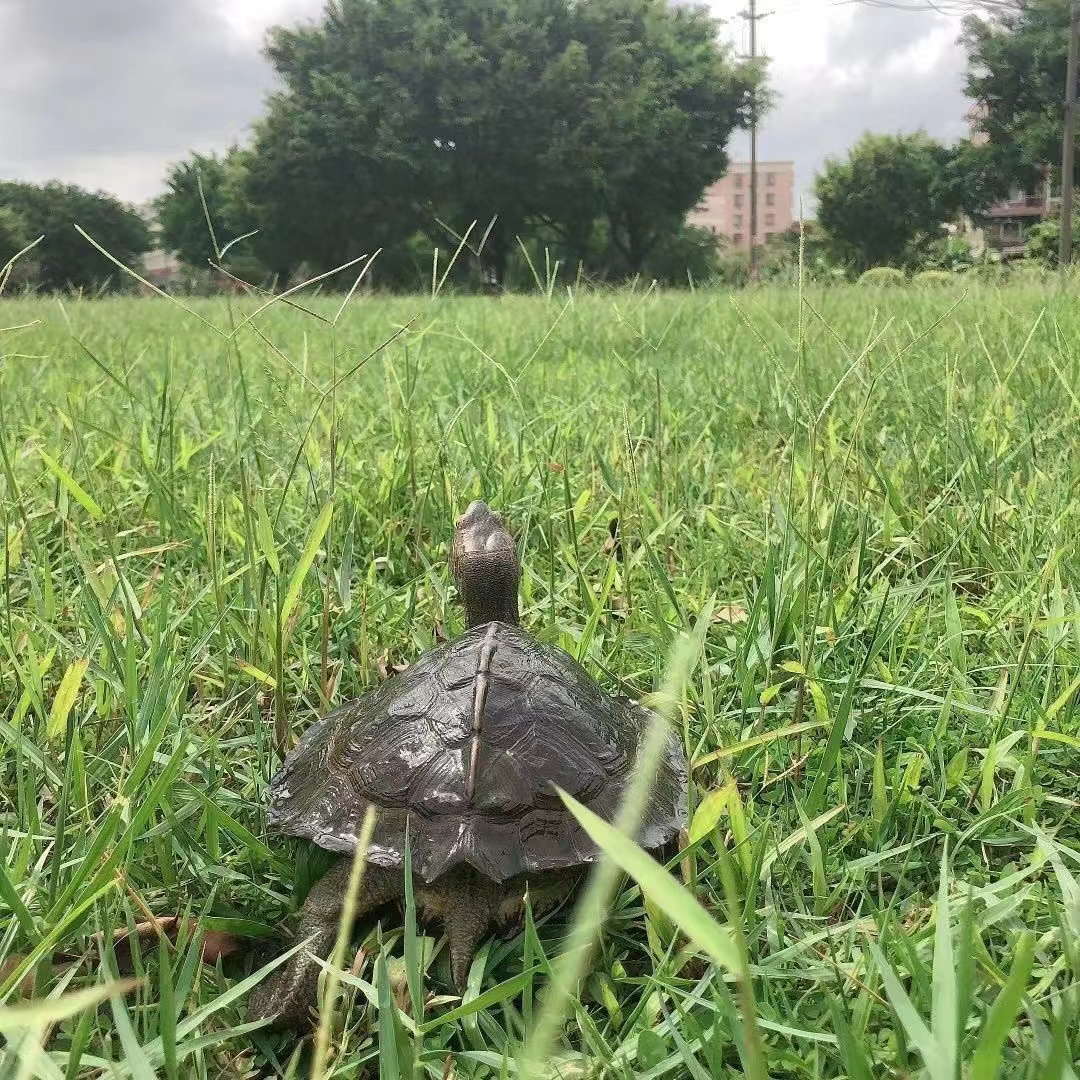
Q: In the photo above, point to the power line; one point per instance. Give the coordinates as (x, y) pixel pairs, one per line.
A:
(941, 7)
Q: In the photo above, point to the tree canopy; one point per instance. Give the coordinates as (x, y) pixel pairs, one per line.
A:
(887, 200)
(202, 187)
(584, 132)
(64, 259)
(14, 235)
(598, 124)
(1016, 71)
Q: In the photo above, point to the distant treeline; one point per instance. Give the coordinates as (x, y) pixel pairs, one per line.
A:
(524, 143)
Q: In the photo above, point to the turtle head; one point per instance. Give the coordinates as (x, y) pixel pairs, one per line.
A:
(485, 566)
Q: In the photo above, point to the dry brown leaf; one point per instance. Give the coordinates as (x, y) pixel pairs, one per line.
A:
(216, 944)
(148, 590)
(9, 965)
(399, 987)
(386, 667)
(148, 934)
(733, 614)
(672, 561)
(219, 945)
(613, 544)
(334, 679)
(684, 864)
(358, 961)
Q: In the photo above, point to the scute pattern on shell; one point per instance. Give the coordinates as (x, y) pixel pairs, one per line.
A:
(405, 748)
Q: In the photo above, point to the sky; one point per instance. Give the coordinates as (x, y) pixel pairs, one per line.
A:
(107, 93)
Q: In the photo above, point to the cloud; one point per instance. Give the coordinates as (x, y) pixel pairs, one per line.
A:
(840, 72)
(107, 92)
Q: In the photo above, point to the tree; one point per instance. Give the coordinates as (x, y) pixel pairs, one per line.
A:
(655, 100)
(64, 259)
(889, 198)
(202, 186)
(333, 174)
(14, 237)
(1016, 72)
(406, 115)
(974, 179)
(14, 234)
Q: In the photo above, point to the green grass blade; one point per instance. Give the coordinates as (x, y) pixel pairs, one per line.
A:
(988, 1061)
(73, 487)
(307, 557)
(938, 1065)
(683, 909)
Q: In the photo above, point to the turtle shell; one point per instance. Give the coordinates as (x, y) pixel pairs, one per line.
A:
(406, 747)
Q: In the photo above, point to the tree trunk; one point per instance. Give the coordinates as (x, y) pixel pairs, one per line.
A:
(493, 260)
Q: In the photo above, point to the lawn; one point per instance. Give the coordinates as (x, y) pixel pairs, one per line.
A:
(852, 518)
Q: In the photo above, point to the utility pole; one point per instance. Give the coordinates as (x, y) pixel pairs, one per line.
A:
(1068, 145)
(755, 269)
(753, 16)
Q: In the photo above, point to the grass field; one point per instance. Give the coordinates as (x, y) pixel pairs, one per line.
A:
(861, 512)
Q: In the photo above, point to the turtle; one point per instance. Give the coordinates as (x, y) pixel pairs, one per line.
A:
(464, 750)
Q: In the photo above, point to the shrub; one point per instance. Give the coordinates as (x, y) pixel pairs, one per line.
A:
(933, 278)
(882, 276)
(992, 271)
(1043, 241)
(689, 253)
(948, 253)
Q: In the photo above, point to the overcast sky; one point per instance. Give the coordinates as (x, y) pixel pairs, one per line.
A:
(105, 93)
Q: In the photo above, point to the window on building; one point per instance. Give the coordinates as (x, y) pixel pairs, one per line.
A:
(737, 238)
(738, 180)
(739, 201)
(737, 222)
(770, 198)
(770, 179)
(770, 219)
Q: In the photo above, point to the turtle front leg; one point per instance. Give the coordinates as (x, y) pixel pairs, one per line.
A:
(286, 997)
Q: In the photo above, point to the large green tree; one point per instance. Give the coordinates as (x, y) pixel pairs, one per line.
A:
(14, 234)
(14, 237)
(406, 115)
(1016, 72)
(654, 102)
(974, 177)
(887, 200)
(205, 186)
(64, 259)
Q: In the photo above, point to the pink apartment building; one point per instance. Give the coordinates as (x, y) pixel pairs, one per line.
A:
(725, 206)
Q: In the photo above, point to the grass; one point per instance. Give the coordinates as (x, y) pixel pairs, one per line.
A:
(859, 516)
